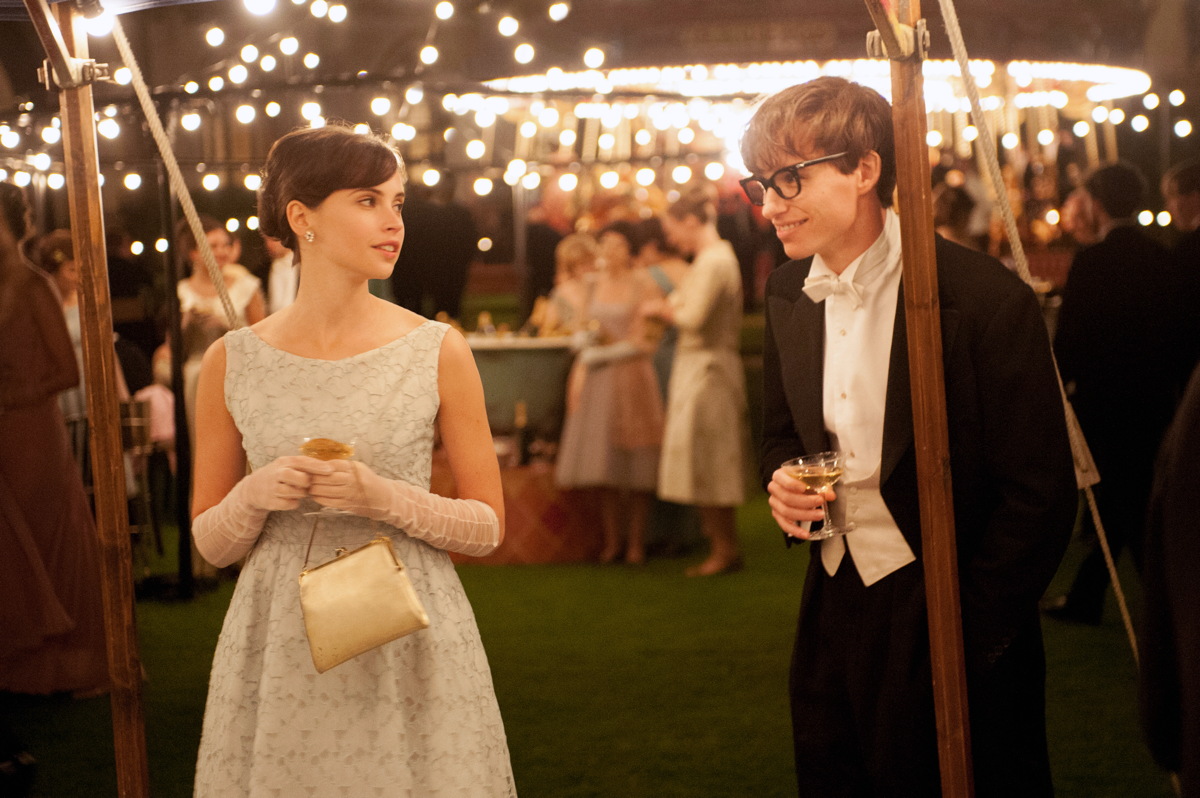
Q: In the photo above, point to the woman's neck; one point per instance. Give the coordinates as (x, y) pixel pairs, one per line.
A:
(332, 298)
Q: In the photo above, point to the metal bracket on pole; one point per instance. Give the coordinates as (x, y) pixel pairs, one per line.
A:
(60, 70)
(81, 72)
(899, 42)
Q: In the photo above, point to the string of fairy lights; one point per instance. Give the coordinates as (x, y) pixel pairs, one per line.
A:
(573, 127)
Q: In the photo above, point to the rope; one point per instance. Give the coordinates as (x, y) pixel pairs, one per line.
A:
(174, 176)
(1085, 469)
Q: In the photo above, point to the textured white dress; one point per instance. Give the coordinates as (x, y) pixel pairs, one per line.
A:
(416, 717)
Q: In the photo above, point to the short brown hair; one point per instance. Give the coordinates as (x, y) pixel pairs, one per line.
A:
(185, 241)
(821, 117)
(1184, 176)
(1118, 187)
(309, 164)
(698, 201)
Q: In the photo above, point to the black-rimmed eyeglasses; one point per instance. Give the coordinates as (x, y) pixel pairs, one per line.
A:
(785, 181)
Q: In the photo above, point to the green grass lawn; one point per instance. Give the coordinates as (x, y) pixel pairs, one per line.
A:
(614, 682)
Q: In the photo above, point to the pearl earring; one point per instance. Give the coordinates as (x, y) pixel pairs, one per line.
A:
(308, 236)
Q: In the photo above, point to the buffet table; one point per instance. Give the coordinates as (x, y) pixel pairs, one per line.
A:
(542, 524)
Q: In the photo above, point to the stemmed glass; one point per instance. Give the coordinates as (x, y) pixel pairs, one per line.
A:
(818, 472)
(323, 448)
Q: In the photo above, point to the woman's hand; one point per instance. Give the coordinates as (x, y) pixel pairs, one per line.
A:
(284, 482)
(792, 503)
(352, 486)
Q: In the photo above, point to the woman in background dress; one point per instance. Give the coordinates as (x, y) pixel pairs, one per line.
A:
(50, 602)
(56, 257)
(574, 279)
(202, 314)
(706, 438)
(613, 428)
(416, 716)
(667, 270)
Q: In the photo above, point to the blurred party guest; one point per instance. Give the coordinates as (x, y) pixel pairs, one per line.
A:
(50, 603)
(1078, 220)
(613, 429)
(952, 209)
(574, 280)
(56, 257)
(1181, 192)
(1169, 681)
(1112, 356)
(440, 244)
(283, 276)
(16, 213)
(541, 241)
(203, 318)
(705, 441)
(667, 269)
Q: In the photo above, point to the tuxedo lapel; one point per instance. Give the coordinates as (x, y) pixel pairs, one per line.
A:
(804, 345)
(897, 413)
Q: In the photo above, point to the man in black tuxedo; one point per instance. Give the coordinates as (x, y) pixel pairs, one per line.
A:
(836, 376)
(1169, 681)
(1114, 353)
(1181, 195)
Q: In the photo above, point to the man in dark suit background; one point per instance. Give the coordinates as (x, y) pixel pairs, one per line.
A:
(440, 242)
(1169, 680)
(1181, 195)
(1114, 353)
(836, 377)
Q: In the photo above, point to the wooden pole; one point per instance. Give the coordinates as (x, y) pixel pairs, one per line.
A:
(923, 320)
(87, 227)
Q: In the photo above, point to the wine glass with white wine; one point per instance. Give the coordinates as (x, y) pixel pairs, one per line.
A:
(323, 448)
(818, 472)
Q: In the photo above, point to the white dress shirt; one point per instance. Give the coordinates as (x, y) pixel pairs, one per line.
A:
(859, 318)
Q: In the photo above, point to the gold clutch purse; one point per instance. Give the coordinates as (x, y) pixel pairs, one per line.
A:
(356, 602)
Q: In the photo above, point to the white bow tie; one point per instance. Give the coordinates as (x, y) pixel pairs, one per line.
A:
(819, 287)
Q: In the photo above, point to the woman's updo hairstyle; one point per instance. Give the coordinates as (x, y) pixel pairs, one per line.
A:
(309, 164)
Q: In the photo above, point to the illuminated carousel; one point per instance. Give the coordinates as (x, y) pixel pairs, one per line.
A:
(574, 107)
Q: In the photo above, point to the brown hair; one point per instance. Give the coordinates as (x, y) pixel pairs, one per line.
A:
(55, 249)
(698, 201)
(650, 231)
(309, 164)
(1118, 187)
(822, 117)
(572, 251)
(14, 210)
(185, 241)
(1184, 176)
(12, 268)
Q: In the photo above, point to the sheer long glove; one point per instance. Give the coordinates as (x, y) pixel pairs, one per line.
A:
(466, 526)
(225, 532)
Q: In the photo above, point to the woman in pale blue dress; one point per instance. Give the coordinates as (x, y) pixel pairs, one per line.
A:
(414, 717)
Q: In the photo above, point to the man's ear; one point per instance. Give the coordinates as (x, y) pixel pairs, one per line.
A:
(869, 168)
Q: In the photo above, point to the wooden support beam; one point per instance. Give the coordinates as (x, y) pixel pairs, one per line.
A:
(87, 227)
(923, 319)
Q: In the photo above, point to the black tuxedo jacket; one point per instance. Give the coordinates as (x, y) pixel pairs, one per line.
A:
(1013, 480)
(1113, 345)
(1170, 632)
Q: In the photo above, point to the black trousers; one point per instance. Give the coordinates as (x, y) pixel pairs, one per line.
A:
(862, 699)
